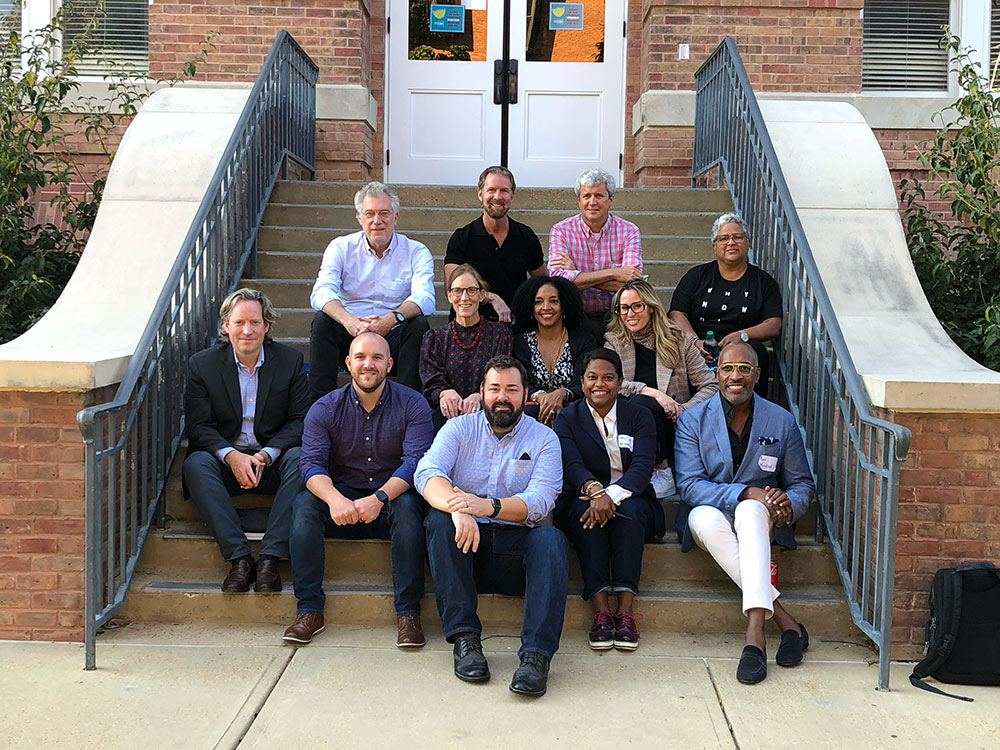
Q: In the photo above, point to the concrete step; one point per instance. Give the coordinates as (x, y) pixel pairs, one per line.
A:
(332, 218)
(186, 549)
(305, 265)
(702, 607)
(637, 199)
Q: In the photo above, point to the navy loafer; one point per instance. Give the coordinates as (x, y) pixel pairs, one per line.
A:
(793, 643)
(753, 666)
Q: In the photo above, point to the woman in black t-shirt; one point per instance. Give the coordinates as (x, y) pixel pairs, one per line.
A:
(729, 296)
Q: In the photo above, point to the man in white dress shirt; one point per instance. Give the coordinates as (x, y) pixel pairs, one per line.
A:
(374, 280)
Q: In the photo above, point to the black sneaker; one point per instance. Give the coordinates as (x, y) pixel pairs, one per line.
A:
(531, 677)
(470, 663)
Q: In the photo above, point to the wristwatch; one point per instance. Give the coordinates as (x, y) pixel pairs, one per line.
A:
(398, 316)
(743, 337)
(496, 507)
(382, 497)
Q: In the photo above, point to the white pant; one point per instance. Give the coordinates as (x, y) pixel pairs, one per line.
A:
(741, 543)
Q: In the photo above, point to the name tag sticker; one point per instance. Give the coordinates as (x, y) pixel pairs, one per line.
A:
(626, 441)
(768, 463)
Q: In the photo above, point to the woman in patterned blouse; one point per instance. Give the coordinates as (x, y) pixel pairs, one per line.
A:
(547, 315)
(452, 356)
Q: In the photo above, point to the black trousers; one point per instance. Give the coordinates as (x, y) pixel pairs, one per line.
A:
(664, 427)
(330, 343)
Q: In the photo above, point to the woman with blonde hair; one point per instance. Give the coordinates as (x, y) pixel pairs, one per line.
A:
(663, 367)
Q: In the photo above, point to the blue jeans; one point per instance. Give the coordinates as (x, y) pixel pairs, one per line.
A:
(610, 558)
(512, 560)
(402, 521)
(211, 483)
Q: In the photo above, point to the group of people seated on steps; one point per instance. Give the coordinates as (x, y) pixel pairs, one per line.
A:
(508, 429)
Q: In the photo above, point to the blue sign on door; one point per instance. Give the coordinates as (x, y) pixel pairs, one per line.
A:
(565, 16)
(448, 18)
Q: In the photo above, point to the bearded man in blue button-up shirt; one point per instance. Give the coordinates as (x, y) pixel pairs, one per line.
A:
(491, 479)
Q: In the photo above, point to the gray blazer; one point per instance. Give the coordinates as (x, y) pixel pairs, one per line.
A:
(676, 382)
(703, 461)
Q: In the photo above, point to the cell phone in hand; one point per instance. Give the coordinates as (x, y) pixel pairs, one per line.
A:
(258, 469)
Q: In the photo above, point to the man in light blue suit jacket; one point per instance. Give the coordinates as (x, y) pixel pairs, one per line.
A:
(742, 475)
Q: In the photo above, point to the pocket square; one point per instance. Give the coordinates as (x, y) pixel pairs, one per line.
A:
(764, 440)
(524, 457)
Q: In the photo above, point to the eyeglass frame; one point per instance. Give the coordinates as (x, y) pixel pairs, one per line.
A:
(724, 238)
(470, 291)
(632, 308)
(727, 368)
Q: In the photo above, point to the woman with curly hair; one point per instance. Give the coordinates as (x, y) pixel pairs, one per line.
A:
(547, 315)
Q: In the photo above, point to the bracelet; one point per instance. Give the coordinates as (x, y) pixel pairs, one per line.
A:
(588, 485)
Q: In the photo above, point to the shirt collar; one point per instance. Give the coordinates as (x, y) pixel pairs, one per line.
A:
(586, 230)
(611, 418)
(512, 433)
(381, 399)
(240, 365)
(727, 410)
(370, 249)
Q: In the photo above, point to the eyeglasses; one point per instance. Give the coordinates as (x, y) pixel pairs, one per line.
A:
(743, 368)
(384, 215)
(722, 239)
(636, 307)
(458, 291)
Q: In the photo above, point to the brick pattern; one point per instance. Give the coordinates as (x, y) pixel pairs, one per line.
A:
(949, 510)
(41, 515)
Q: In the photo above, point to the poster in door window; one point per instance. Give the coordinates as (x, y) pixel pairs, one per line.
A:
(565, 16)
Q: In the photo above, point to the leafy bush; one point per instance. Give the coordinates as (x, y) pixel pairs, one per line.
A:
(42, 118)
(957, 255)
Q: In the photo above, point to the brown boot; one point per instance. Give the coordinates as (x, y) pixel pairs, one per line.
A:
(306, 625)
(410, 634)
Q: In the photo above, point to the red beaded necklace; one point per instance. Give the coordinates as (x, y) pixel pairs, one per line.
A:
(475, 339)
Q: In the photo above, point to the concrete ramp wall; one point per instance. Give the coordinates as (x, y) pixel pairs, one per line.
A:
(847, 202)
(157, 181)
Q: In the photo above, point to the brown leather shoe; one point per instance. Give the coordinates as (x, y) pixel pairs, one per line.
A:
(268, 578)
(410, 635)
(306, 625)
(241, 575)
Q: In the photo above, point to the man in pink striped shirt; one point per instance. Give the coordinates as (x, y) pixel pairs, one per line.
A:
(595, 249)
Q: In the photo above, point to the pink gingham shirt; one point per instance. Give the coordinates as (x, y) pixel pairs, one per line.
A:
(617, 245)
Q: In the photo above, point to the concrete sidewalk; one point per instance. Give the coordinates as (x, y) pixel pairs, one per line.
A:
(352, 688)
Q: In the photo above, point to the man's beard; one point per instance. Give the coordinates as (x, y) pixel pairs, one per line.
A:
(502, 419)
(495, 210)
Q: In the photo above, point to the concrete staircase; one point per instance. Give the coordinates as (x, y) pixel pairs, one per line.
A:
(303, 217)
(179, 574)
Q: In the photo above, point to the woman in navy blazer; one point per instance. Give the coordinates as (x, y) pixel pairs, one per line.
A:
(608, 505)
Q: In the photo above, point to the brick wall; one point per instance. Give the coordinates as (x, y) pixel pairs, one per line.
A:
(41, 514)
(339, 35)
(949, 510)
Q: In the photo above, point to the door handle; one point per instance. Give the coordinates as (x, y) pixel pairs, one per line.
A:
(505, 82)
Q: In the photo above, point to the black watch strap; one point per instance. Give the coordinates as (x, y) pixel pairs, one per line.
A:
(382, 497)
(496, 507)
(400, 318)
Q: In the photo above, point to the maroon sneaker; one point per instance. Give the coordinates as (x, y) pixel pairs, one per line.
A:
(602, 632)
(626, 632)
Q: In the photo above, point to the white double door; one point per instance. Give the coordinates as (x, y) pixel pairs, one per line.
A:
(445, 119)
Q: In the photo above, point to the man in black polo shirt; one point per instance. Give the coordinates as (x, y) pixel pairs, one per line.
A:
(504, 251)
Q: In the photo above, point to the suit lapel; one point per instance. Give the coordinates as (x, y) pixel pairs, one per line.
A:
(721, 430)
(759, 428)
(589, 428)
(265, 377)
(232, 382)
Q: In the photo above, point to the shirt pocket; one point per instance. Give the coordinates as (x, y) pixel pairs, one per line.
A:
(518, 475)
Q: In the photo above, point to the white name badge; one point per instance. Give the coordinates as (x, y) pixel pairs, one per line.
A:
(768, 463)
(626, 441)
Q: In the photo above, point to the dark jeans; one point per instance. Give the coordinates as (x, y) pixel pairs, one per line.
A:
(330, 343)
(512, 560)
(212, 483)
(610, 558)
(402, 521)
(664, 427)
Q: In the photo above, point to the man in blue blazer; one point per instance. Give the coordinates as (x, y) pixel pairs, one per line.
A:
(742, 474)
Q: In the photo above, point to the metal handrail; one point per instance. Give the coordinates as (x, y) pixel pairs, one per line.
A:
(131, 441)
(854, 455)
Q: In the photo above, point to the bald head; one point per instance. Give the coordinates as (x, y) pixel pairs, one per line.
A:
(739, 351)
(369, 362)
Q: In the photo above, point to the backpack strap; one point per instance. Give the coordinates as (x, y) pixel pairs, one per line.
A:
(947, 608)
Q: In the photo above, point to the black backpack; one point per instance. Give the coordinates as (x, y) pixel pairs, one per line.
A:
(963, 635)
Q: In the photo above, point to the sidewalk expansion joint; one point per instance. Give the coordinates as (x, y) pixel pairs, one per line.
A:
(722, 706)
(255, 701)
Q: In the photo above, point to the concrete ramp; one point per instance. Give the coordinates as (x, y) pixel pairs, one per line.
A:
(846, 200)
(157, 181)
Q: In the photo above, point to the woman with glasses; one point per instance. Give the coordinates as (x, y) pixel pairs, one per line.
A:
(610, 511)
(663, 367)
(730, 296)
(547, 315)
(452, 356)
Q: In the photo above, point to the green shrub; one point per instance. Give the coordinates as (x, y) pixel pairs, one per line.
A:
(42, 117)
(957, 255)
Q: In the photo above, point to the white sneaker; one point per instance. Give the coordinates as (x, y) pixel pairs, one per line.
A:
(663, 483)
